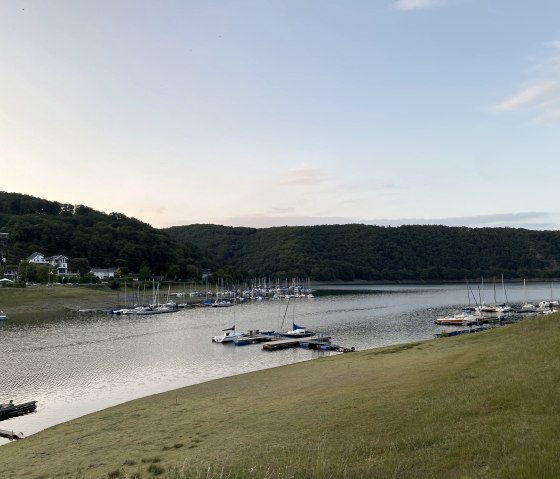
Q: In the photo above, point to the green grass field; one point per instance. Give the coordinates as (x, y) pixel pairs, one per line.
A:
(33, 299)
(481, 405)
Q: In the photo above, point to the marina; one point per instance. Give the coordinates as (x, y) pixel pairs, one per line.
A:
(73, 364)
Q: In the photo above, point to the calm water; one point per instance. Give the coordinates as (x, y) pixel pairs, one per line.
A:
(77, 364)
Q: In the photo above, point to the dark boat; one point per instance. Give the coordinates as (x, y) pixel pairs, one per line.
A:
(297, 332)
(10, 410)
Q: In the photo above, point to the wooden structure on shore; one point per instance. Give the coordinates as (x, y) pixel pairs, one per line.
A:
(11, 435)
(314, 342)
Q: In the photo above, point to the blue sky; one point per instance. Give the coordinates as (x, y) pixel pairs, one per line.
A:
(263, 113)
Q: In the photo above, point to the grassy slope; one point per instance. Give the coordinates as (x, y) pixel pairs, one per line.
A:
(482, 405)
(20, 301)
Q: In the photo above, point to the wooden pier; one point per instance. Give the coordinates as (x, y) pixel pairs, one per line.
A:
(314, 342)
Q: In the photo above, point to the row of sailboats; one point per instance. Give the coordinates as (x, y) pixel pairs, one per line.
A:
(155, 307)
(482, 312)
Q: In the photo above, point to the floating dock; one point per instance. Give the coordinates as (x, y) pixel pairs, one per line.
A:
(313, 342)
(445, 334)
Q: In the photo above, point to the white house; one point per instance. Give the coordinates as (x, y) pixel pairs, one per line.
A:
(37, 258)
(103, 273)
(60, 263)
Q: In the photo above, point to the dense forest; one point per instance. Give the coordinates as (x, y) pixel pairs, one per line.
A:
(352, 252)
(322, 253)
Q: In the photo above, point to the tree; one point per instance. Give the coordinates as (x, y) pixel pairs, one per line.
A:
(81, 265)
(173, 271)
(145, 272)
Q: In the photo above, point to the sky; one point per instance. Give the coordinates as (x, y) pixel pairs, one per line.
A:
(268, 113)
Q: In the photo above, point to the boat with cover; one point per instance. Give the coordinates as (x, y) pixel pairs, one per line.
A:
(10, 410)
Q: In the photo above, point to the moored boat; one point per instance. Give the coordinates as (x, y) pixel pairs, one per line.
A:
(297, 332)
(228, 337)
(457, 320)
(10, 410)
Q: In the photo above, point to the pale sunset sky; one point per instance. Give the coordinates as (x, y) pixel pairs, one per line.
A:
(285, 112)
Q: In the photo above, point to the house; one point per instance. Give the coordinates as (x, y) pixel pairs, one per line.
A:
(59, 263)
(37, 258)
(10, 272)
(103, 273)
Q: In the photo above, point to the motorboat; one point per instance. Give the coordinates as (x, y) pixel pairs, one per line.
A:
(10, 410)
(457, 320)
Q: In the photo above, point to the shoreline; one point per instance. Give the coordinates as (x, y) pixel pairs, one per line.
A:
(354, 415)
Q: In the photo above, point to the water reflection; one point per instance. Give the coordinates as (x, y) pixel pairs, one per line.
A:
(76, 364)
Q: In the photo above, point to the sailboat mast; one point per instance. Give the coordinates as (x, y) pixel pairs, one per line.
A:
(285, 312)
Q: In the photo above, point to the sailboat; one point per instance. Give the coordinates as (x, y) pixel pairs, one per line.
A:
(527, 307)
(297, 331)
(229, 334)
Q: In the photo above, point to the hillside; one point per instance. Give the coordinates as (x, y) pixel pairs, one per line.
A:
(321, 253)
(350, 252)
(78, 231)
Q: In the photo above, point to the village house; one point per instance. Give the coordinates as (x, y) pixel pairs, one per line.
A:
(103, 273)
(58, 262)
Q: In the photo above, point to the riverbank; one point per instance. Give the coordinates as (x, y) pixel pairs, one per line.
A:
(482, 405)
(17, 302)
(44, 300)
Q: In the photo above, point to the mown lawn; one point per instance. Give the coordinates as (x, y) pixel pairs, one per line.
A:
(479, 405)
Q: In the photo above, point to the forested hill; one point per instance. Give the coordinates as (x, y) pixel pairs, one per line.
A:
(323, 253)
(77, 231)
(348, 252)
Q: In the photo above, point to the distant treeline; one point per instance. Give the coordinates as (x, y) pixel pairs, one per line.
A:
(321, 253)
(360, 252)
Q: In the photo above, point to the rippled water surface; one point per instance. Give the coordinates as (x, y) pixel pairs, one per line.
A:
(77, 364)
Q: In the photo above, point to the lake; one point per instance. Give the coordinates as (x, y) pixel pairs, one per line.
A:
(75, 364)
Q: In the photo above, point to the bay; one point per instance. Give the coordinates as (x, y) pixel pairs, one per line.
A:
(75, 364)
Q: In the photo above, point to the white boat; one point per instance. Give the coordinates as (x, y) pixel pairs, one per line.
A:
(229, 336)
(3, 316)
(460, 319)
(221, 304)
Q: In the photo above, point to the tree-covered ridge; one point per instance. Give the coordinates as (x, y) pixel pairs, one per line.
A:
(348, 252)
(323, 253)
(78, 231)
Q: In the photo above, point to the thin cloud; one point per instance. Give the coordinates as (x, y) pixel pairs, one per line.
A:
(305, 176)
(537, 95)
(541, 94)
(534, 220)
(408, 5)
(527, 219)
